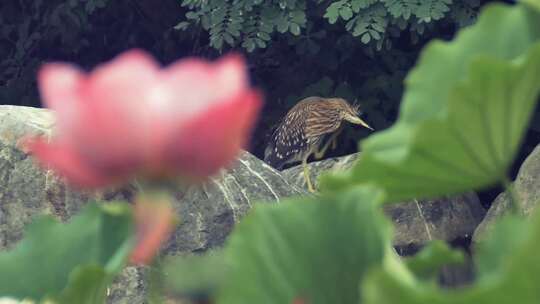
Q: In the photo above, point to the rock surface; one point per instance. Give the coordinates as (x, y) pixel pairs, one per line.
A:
(527, 188)
(208, 212)
(418, 221)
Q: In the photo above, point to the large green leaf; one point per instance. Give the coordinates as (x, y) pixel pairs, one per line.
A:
(188, 277)
(427, 263)
(69, 263)
(315, 250)
(534, 4)
(508, 273)
(465, 109)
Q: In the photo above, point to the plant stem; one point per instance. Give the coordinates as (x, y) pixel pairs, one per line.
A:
(515, 207)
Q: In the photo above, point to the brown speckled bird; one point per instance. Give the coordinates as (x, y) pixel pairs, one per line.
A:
(305, 128)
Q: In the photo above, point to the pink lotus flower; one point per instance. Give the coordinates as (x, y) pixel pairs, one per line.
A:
(130, 117)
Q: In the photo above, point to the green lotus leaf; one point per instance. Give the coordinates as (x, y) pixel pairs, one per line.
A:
(313, 250)
(507, 272)
(69, 263)
(466, 107)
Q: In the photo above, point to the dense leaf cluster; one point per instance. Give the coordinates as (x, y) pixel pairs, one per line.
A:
(28, 29)
(251, 23)
(84, 31)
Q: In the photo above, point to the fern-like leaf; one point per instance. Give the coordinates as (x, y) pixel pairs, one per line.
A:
(401, 8)
(429, 10)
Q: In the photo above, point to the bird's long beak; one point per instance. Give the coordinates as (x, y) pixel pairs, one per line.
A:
(358, 121)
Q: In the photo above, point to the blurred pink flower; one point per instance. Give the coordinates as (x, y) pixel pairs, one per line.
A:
(130, 117)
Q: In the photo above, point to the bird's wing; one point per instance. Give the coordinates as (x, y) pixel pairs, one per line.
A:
(288, 141)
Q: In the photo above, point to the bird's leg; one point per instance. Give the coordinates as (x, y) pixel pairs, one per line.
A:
(334, 139)
(331, 141)
(334, 142)
(306, 174)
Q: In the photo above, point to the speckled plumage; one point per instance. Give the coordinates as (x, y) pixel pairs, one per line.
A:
(304, 128)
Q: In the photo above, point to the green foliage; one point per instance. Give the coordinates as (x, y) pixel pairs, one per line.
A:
(29, 27)
(432, 10)
(401, 8)
(369, 24)
(251, 23)
(426, 264)
(507, 273)
(533, 4)
(191, 276)
(69, 263)
(464, 112)
(283, 252)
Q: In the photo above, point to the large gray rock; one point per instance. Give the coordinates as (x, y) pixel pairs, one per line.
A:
(418, 221)
(208, 212)
(527, 189)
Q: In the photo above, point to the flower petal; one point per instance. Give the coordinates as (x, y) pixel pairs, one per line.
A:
(66, 163)
(230, 77)
(214, 138)
(198, 85)
(125, 79)
(115, 112)
(59, 86)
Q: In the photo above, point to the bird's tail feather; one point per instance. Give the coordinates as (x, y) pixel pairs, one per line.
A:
(271, 158)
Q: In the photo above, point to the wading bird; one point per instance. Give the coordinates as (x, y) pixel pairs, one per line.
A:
(305, 128)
